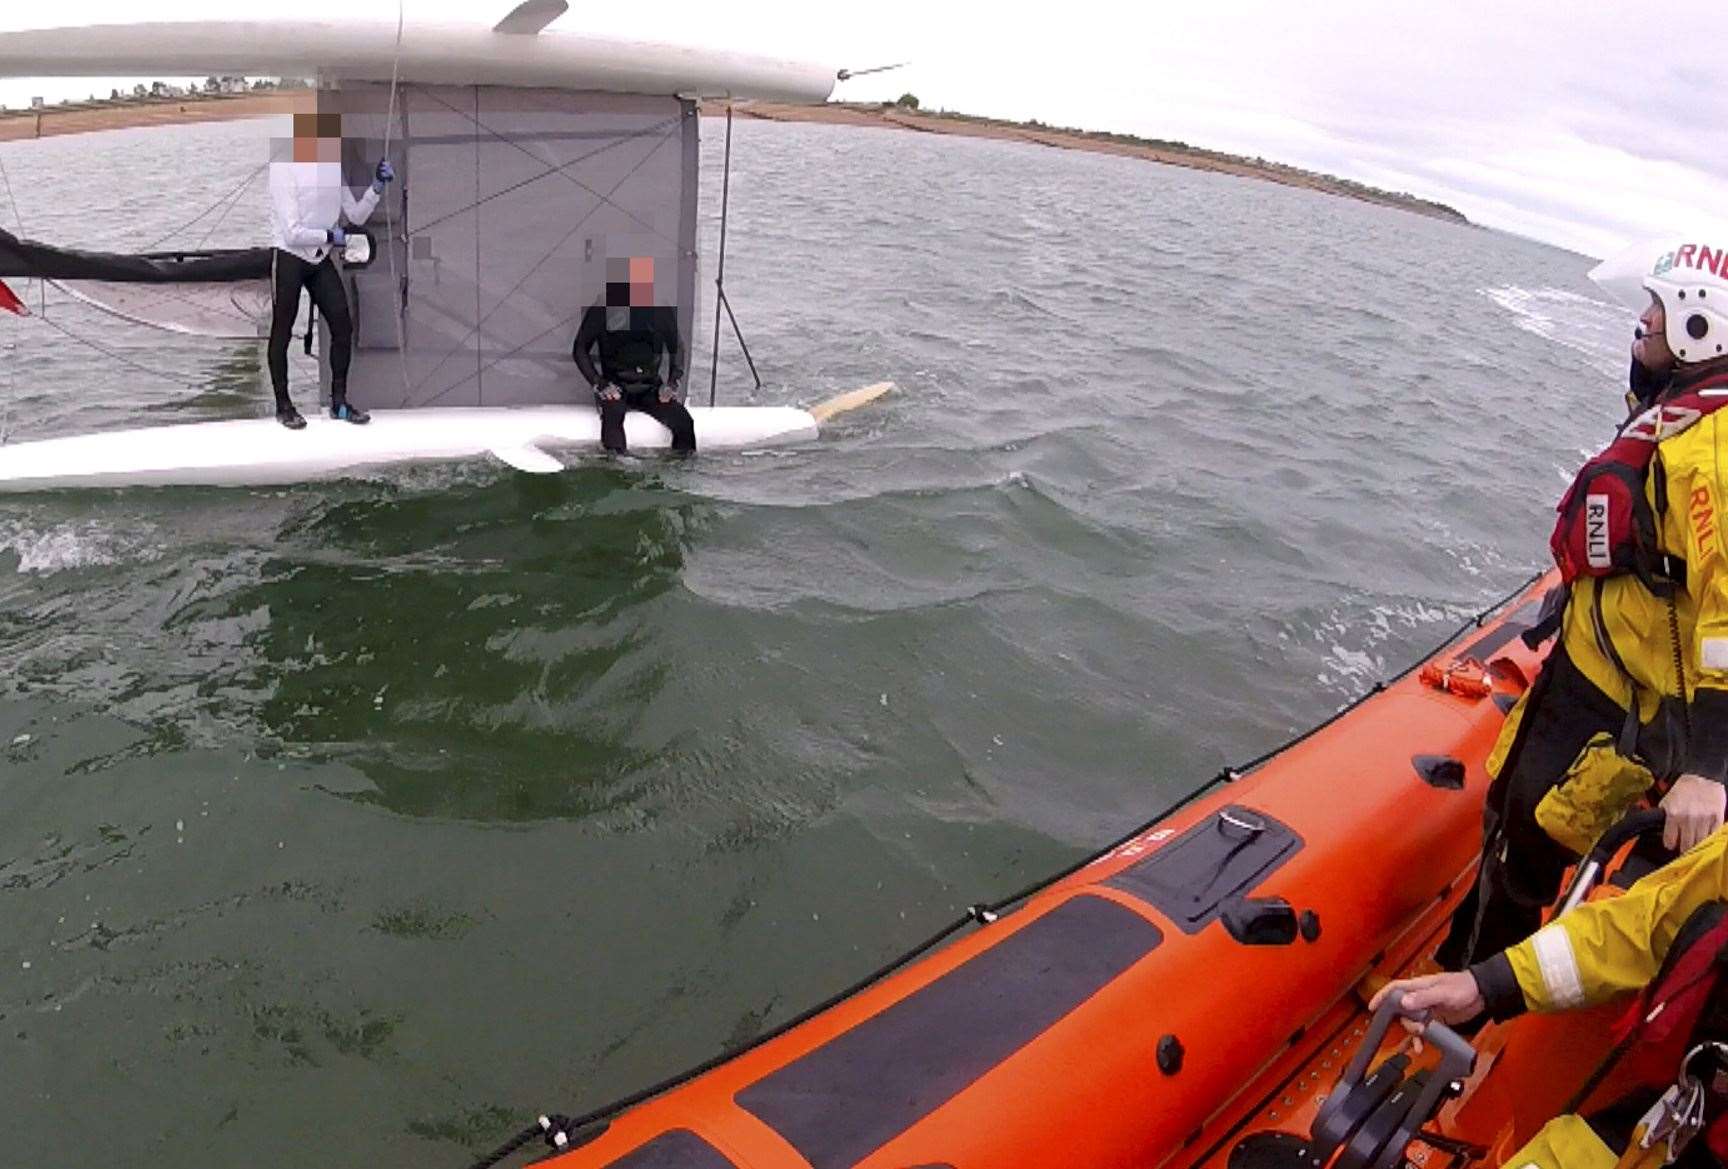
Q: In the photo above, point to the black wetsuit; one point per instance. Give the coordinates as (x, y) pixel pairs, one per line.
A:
(325, 283)
(631, 343)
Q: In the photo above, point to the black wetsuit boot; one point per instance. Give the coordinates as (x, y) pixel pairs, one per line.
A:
(344, 411)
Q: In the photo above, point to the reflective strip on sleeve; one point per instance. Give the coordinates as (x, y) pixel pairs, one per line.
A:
(1559, 966)
(1713, 653)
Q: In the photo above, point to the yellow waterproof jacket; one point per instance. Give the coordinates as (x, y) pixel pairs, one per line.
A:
(1599, 950)
(1618, 616)
(1566, 1142)
(1605, 948)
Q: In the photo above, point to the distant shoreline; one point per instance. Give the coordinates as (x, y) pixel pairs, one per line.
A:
(88, 116)
(85, 117)
(894, 117)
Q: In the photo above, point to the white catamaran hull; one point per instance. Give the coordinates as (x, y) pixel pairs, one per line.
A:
(261, 452)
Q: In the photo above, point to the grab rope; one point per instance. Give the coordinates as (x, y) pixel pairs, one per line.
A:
(561, 1133)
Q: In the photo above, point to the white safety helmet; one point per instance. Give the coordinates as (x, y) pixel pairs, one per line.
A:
(1689, 275)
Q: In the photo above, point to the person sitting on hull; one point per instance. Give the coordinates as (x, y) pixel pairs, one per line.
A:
(1634, 694)
(632, 336)
(1666, 936)
(308, 204)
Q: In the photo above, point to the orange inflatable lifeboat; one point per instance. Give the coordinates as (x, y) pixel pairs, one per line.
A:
(1199, 982)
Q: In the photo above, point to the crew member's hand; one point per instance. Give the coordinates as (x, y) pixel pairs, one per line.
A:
(669, 392)
(607, 392)
(1694, 807)
(338, 237)
(1450, 997)
(386, 174)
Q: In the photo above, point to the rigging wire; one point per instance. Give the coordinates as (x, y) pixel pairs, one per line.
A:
(11, 198)
(6, 419)
(229, 209)
(720, 271)
(172, 378)
(229, 201)
(398, 285)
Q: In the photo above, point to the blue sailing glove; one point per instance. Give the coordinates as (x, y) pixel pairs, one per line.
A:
(337, 237)
(386, 174)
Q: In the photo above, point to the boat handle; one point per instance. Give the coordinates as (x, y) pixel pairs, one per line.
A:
(1589, 870)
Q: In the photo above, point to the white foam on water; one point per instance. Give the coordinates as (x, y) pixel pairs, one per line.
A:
(68, 546)
(1598, 330)
(1353, 644)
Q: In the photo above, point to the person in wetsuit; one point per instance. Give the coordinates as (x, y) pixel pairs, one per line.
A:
(308, 203)
(632, 336)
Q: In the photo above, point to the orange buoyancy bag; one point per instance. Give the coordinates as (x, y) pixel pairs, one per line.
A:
(1606, 526)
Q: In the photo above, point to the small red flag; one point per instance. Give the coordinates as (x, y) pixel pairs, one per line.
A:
(9, 301)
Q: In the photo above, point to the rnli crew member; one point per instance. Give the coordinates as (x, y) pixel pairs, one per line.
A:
(1597, 951)
(632, 336)
(308, 203)
(1636, 686)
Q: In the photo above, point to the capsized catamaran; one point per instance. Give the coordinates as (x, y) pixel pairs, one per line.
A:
(528, 158)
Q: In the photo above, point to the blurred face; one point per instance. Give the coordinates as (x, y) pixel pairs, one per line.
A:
(317, 137)
(642, 282)
(1651, 350)
(630, 282)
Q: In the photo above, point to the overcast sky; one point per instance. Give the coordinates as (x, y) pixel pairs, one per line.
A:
(1584, 124)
